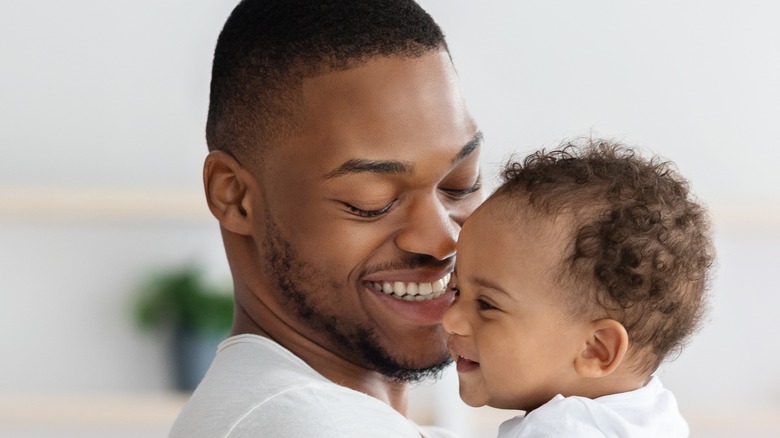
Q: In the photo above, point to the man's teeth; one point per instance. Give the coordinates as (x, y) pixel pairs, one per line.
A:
(414, 291)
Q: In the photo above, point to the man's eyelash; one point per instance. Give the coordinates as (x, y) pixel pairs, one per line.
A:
(369, 213)
(467, 191)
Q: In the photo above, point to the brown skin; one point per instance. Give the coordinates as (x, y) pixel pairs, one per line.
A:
(512, 336)
(291, 228)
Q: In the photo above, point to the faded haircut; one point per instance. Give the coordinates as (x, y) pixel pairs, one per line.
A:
(267, 48)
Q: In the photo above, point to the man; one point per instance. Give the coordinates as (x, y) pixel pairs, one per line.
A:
(343, 162)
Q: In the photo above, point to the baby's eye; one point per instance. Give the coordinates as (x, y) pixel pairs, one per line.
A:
(484, 305)
(369, 213)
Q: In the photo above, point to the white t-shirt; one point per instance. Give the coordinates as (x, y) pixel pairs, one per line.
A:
(257, 388)
(650, 411)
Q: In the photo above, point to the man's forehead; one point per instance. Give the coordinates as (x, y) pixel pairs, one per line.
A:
(386, 115)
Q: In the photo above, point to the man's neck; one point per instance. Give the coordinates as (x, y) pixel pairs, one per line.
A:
(328, 364)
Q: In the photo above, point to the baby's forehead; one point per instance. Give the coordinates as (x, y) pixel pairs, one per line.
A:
(528, 245)
(521, 230)
(525, 217)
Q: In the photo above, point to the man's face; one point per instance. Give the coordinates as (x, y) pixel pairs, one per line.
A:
(362, 206)
(510, 333)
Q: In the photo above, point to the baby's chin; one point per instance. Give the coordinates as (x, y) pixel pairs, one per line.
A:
(472, 399)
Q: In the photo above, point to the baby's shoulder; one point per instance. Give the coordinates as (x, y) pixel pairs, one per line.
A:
(560, 417)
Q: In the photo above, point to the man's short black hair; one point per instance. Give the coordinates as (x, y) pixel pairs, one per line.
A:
(267, 47)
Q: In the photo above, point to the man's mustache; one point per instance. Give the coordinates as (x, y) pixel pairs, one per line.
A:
(410, 261)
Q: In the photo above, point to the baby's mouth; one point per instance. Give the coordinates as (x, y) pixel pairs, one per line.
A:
(463, 364)
(412, 291)
(467, 360)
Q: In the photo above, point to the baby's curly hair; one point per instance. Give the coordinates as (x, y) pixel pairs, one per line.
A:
(641, 244)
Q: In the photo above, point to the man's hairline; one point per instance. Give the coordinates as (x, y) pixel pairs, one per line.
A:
(297, 75)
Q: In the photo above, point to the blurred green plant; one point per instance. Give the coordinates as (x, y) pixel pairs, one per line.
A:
(181, 299)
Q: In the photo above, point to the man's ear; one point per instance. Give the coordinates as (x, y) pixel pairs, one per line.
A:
(605, 349)
(226, 184)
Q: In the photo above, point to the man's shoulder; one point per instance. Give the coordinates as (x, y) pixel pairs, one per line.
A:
(256, 385)
(248, 355)
(317, 409)
(308, 409)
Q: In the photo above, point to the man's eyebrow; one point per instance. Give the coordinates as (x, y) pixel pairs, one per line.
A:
(470, 147)
(359, 165)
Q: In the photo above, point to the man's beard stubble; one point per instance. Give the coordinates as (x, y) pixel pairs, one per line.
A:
(295, 281)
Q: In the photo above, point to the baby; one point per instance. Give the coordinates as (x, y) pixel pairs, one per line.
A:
(574, 281)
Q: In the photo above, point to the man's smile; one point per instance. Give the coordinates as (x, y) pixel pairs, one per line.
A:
(412, 291)
(420, 302)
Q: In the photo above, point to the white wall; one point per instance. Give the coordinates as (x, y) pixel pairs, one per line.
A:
(103, 106)
(103, 109)
(694, 81)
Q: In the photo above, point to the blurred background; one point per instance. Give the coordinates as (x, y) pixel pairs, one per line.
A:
(102, 114)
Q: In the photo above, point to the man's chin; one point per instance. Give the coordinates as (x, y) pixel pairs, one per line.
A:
(414, 375)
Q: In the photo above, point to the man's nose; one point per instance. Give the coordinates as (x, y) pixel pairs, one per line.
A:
(429, 230)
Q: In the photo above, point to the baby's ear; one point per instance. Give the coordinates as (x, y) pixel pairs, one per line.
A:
(605, 349)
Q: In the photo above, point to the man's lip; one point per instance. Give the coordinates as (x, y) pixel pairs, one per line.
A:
(420, 275)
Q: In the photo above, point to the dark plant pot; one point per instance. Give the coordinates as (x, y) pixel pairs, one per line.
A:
(193, 353)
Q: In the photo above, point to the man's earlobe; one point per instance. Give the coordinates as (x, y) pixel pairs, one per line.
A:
(605, 349)
(227, 192)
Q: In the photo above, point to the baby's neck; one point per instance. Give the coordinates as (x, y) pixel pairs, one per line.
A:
(615, 383)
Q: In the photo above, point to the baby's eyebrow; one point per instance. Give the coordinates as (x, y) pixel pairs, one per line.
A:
(484, 282)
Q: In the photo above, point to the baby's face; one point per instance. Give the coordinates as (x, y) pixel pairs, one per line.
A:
(508, 331)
